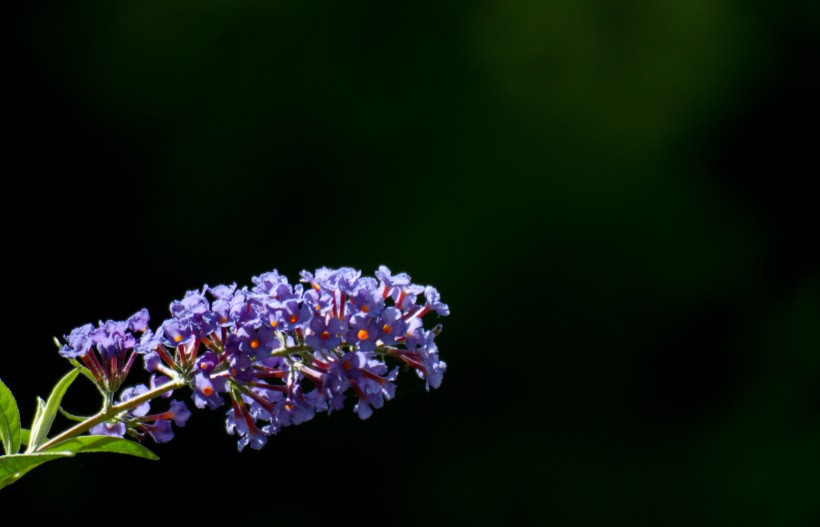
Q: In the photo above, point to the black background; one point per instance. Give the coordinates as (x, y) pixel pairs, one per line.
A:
(614, 198)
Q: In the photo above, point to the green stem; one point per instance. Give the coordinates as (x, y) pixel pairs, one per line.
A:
(108, 413)
(284, 352)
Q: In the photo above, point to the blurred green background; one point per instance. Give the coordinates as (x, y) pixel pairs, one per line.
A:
(613, 197)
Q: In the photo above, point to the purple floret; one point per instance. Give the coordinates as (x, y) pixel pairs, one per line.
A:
(326, 333)
(108, 428)
(78, 342)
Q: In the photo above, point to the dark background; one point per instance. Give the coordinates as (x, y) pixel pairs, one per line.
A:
(613, 197)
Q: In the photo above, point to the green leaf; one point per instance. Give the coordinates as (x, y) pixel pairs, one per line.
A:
(9, 421)
(116, 445)
(69, 415)
(38, 418)
(25, 436)
(15, 466)
(46, 413)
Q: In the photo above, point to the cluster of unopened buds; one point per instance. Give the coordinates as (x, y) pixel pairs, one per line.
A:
(273, 355)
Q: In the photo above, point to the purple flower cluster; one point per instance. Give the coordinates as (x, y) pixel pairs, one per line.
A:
(107, 350)
(278, 353)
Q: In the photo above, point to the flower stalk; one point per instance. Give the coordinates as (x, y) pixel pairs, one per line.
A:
(109, 413)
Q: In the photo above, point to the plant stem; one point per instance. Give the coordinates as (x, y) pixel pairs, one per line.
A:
(284, 352)
(107, 413)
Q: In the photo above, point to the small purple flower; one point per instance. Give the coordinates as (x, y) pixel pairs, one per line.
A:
(78, 342)
(366, 299)
(148, 342)
(341, 279)
(138, 322)
(176, 333)
(346, 278)
(434, 302)
(405, 298)
(108, 428)
(321, 279)
(206, 391)
(363, 332)
(365, 376)
(434, 366)
(424, 358)
(294, 410)
(179, 413)
(194, 303)
(268, 282)
(151, 361)
(391, 326)
(160, 431)
(239, 421)
(206, 362)
(158, 426)
(222, 310)
(325, 333)
(221, 306)
(245, 308)
(320, 302)
(222, 292)
(240, 367)
(113, 340)
(389, 282)
(256, 342)
(293, 315)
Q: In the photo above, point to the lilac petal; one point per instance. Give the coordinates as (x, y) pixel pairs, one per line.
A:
(132, 392)
(115, 429)
(180, 413)
(159, 380)
(160, 431)
(139, 320)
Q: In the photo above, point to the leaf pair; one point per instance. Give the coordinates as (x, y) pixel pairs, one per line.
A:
(47, 411)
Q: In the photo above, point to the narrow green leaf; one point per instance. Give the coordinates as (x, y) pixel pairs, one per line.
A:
(40, 430)
(116, 445)
(9, 421)
(25, 436)
(69, 415)
(36, 424)
(15, 466)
